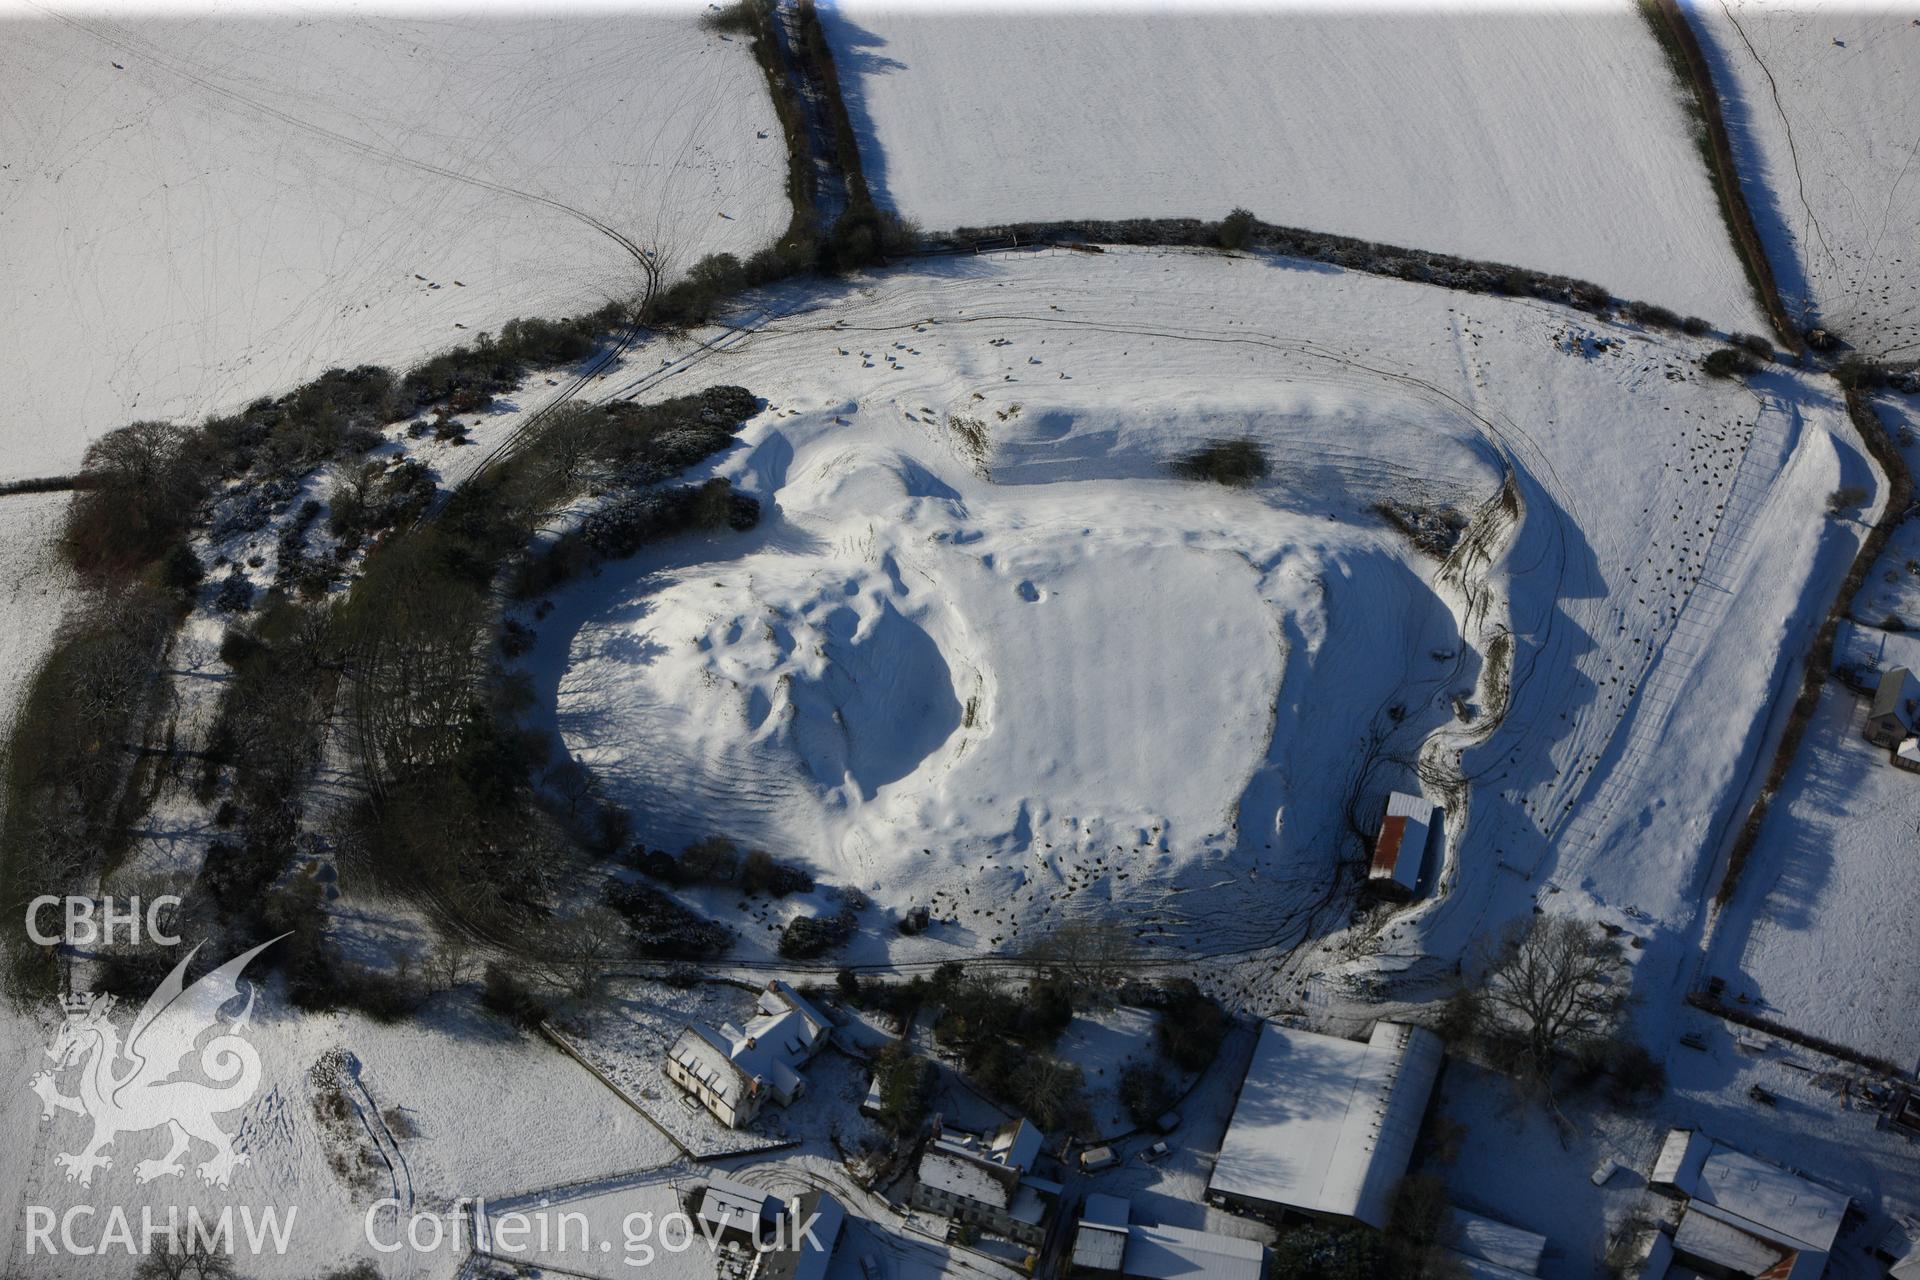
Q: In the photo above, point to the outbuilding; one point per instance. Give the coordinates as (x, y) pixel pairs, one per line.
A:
(1400, 852)
(1325, 1127)
(1891, 717)
(1744, 1216)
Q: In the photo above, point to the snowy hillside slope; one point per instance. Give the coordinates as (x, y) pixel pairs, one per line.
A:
(1823, 104)
(1545, 137)
(246, 199)
(1013, 682)
(35, 589)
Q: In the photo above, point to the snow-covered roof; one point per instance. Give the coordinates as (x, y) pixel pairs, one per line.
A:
(1016, 1145)
(1176, 1253)
(1326, 1125)
(1680, 1158)
(1779, 1200)
(737, 1206)
(799, 1258)
(962, 1174)
(774, 1045)
(707, 1055)
(780, 998)
(1402, 846)
(1098, 1246)
(1891, 696)
(1743, 1248)
(1909, 749)
(1480, 1269)
(1499, 1243)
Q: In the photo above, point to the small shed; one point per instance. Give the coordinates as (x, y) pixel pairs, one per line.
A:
(1401, 851)
(1101, 1242)
(1907, 755)
(1891, 717)
(1676, 1170)
(1489, 1247)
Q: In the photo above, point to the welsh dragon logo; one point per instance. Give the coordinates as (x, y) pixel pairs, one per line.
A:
(135, 1086)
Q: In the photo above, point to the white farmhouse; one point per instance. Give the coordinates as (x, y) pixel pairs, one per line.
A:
(734, 1072)
(987, 1181)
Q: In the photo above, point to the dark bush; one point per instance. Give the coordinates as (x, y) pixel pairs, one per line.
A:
(1146, 1093)
(141, 486)
(1729, 362)
(1856, 374)
(1647, 313)
(1695, 326)
(1191, 1025)
(511, 998)
(760, 872)
(809, 937)
(715, 860)
(1228, 462)
(664, 927)
(1236, 230)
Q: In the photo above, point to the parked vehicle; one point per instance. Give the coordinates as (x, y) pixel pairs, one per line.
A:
(1156, 1153)
(1168, 1122)
(1094, 1159)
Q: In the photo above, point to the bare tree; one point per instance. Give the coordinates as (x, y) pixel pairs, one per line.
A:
(1048, 1089)
(584, 947)
(1091, 954)
(452, 962)
(1556, 983)
(185, 1260)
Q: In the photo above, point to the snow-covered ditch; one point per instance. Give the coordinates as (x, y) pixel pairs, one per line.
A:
(985, 653)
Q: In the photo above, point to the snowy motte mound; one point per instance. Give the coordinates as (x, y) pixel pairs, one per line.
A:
(988, 651)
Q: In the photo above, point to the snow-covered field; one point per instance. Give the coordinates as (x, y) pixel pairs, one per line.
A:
(1550, 137)
(1006, 671)
(1809, 937)
(455, 1106)
(197, 210)
(1823, 105)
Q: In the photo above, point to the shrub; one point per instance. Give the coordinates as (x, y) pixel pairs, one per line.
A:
(1729, 362)
(1228, 462)
(761, 873)
(1236, 230)
(1856, 374)
(1146, 1093)
(506, 995)
(1754, 345)
(664, 927)
(808, 937)
(1647, 313)
(1695, 326)
(1846, 500)
(1191, 1025)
